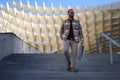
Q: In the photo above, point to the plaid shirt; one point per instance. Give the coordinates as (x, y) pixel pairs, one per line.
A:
(65, 29)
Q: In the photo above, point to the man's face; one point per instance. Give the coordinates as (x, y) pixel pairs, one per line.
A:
(71, 13)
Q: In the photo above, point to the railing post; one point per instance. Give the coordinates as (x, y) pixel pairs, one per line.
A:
(111, 56)
(100, 46)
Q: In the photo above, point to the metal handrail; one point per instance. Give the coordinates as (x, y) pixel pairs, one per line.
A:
(111, 40)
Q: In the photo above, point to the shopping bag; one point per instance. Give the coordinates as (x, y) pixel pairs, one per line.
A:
(80, 52)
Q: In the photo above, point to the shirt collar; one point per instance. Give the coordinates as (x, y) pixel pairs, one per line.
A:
(70, 19)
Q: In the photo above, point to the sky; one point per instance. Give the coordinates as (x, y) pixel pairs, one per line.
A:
(64, 3)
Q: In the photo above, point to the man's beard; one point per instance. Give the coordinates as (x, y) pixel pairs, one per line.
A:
(71, 17)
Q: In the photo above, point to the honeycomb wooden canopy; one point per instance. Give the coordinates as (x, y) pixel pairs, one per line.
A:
(40, 26)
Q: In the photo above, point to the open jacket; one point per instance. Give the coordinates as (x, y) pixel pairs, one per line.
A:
(77, 30)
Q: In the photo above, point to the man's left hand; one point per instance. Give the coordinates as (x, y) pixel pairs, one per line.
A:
(81, 41)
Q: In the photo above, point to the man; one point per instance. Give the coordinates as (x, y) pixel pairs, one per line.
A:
(71, 34)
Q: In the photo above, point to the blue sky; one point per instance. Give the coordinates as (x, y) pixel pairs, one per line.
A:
(64, 3)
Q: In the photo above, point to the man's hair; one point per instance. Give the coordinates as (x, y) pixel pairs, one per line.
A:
(69, 10)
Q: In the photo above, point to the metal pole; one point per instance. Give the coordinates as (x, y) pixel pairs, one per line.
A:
(100, 46)
(111, 56)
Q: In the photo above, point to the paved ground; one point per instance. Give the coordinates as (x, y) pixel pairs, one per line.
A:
(52, 67)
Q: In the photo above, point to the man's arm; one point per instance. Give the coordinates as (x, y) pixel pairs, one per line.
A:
(61, 30)
(81, 34)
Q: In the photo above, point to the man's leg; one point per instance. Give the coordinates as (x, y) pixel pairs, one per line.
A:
(74, 47)
(66, 53)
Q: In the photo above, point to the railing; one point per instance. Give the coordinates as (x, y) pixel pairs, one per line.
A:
(111, 40)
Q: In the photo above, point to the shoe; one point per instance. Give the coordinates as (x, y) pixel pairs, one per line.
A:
(68, 66)
(68, 69)
(71, 69)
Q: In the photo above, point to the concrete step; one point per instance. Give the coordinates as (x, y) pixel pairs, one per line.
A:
(52, 67)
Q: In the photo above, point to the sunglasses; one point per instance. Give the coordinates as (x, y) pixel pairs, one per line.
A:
(71, 12)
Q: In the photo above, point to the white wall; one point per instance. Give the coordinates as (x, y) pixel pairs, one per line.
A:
(11, 44)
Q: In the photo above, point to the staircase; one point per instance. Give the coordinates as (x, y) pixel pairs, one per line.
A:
(52, 67)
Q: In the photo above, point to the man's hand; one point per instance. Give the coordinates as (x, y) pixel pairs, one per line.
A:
(82, 41)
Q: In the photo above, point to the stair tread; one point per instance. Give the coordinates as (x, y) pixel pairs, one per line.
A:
(52, 67)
